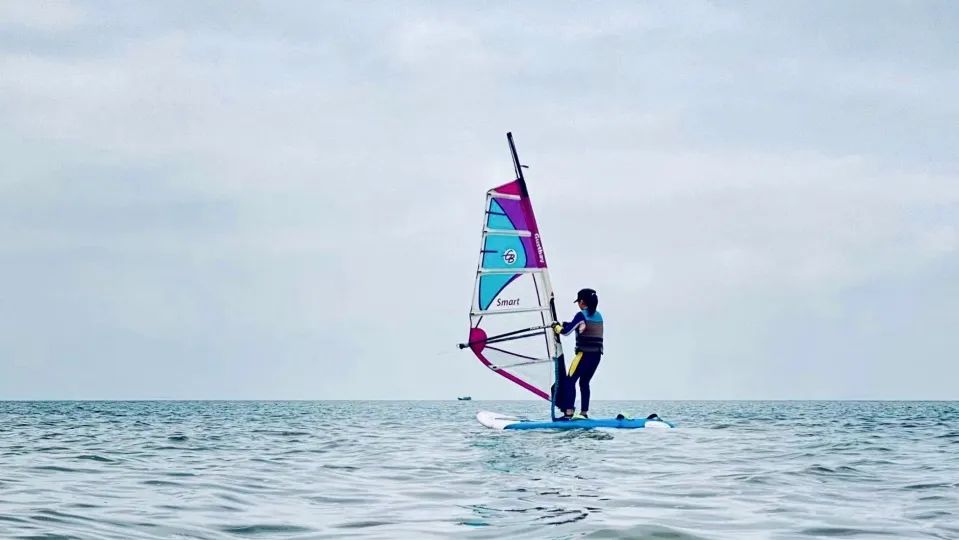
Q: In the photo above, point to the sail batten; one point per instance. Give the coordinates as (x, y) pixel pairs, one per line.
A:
(505, 232)
(509, 270)
(527, 363)
(517, 310)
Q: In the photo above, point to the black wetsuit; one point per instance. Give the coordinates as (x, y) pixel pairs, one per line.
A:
(589, 342)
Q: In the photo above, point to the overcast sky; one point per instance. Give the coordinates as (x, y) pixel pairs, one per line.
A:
(283, 200)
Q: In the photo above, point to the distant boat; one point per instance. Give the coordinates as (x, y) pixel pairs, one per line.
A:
(464, 398)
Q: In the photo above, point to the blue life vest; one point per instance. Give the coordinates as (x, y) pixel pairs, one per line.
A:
(590, 340)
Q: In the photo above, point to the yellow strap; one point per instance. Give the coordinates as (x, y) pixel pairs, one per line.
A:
(574, 364)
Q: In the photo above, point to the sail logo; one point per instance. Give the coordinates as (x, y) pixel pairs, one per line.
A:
(539, 250)
(509, 302)
(509, 256)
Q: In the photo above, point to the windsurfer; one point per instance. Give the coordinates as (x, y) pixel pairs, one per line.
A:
(588, 325)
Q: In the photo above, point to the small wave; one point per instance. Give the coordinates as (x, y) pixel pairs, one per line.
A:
(267, 460)
(94, 457)
(362, 524)
(83, 506)
(161, 483)
(53, 516)
(178, 438)
(643, 531)
(934, 514)
(328, 499)
(341, 467)
(750, 478)
(58, 468)
(304, 451)
(281, 433)
(254, 530)
(562, 516)
(843, 531)
(182, 448)
(933, 485)
(844, 471)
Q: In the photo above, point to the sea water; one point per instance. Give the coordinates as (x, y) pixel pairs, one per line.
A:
(378, 469)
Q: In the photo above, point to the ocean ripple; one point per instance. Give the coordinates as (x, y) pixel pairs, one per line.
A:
(391, 470)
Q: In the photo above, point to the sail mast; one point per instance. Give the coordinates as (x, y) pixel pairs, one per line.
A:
(557, 344)
(517, 165)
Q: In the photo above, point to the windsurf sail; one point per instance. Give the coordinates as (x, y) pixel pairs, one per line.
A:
(512, 306)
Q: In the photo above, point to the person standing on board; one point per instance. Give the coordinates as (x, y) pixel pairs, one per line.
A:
(588, 324)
